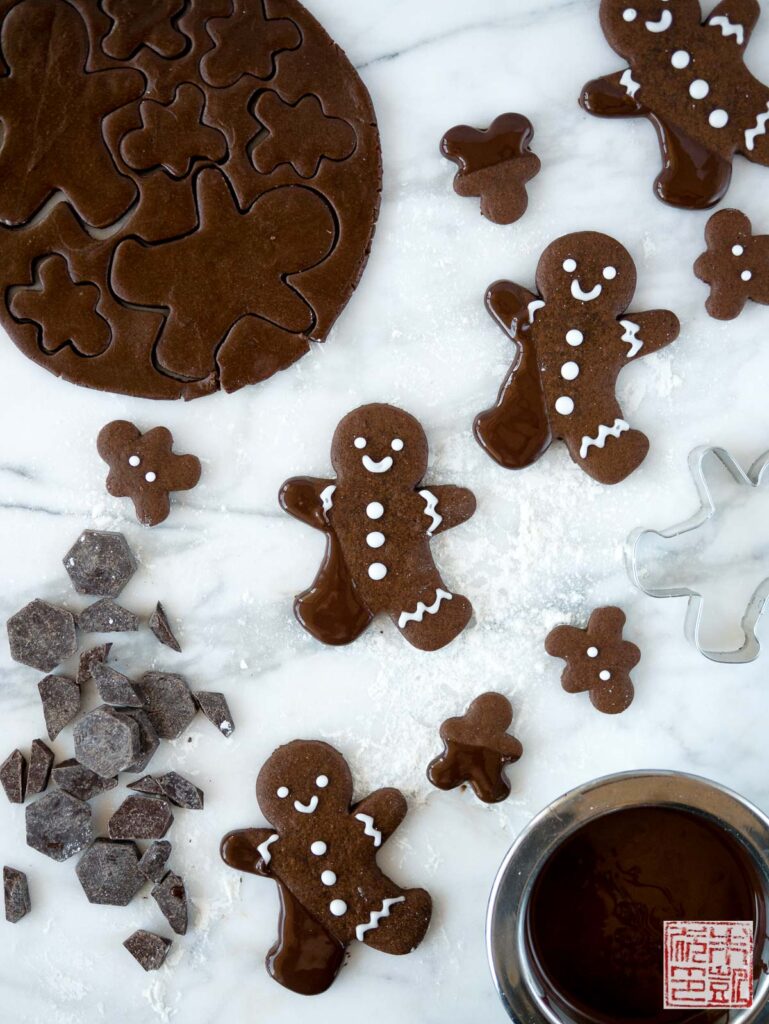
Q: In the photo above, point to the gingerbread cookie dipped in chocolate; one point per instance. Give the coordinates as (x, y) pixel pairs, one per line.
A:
(689, 78)
(322, 853)
(378, 522)
(573, 337)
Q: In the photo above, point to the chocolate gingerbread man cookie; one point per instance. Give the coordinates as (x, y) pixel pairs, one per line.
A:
(321, 852)
(379, 519)
(476, 749)
(736, 265)
(572, 336)
(689, 78)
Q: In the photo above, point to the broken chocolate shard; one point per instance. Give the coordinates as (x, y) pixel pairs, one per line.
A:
(41, 635)
(107, 741)
(77, 780)
(100, 563)
(90, 658)
(59, 825)
(109, 873)
(148, 949)
(158, 623)
(16, 892)
(107, 616)
(114, 687)
(171, 896)
(148, 739)
(40, 764)
(147, 784)
(13, 776)
(141, 817)
(154, 859)
(214, 707)
(168, 702)
(61, 702)
(181, 791)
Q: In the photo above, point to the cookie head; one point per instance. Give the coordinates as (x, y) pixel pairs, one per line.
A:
(302, 781)
(634, 27)
(380, 441)
(587, 269)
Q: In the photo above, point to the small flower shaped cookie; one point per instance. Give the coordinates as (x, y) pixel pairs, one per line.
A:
(736, 264)
(597, 659)
(144, 468)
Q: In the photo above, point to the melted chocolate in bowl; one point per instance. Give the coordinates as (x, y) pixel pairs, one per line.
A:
(595, 917)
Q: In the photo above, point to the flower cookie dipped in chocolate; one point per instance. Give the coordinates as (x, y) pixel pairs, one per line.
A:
(321, 852)
(572, 337)
(689, 78)
(379, 519)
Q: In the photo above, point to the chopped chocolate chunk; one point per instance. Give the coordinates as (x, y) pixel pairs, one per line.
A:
(158, 623)
(154, 859)
(181, 791)
(90, 658)
(59, 825)
(40, 763)
(149, 741)
(109, 873)
(147, 784)
(13, 776)
(141, 817)
(107, 741)
(114, 687)
(107, 616)
(168, 701)
(148, 949)
(61, 702)
(77, 780)
(100, 563)
(42, 635)
(16, 891)
(214, 707)
(171, 897)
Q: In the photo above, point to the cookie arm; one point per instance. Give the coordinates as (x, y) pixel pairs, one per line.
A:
(649, 332)
(307, 499)
(510, 305)
(247, 849)
(380, 813)
(447, 506)
(612, 96)
(736, 19)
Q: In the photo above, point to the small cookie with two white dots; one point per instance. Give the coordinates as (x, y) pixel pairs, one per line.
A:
(736, 265)
(144, 468)
(597, 659)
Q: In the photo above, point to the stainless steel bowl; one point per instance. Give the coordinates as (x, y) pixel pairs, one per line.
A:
(516, 981)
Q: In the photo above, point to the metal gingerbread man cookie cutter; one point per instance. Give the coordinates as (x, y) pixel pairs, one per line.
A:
(753, 478)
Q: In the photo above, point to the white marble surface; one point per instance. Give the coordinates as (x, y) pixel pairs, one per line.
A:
(545, 545)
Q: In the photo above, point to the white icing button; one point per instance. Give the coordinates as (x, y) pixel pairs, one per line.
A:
(377, 571)
(150, 477)
(318, 848)
(322, 781)
(718, 119)
(337, 907)
(592, 652)
(737, 250)
(746, 275)
(569, 266)
(375, 510)
(609, 273)
(605, 675)
(564, 405)
(699, 89)
(396, 444)
(630, 14)
(575, 337)
(282, 792)
(328, 878)
(680, 59)
(360, 442)
(570, 371)
(134, 460)
(375, 539)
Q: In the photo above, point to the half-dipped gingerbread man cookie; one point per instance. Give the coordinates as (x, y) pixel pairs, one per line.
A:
(321, 852)
(573, 336)
(689, 78)
(379, 519)
(736, 265)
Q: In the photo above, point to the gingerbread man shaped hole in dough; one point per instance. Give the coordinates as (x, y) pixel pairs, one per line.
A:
(572, 337)
(379, 520)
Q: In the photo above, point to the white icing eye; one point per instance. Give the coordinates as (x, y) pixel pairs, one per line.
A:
(630, 14)
(570, 266)
(396, 444)
(570, 371)
(699, 89)
(281, 792)
(360, 442)
(718, 119)
(134, 460)
(592, 652)
(680, 59)
(746, 275)
(564, 405)
(609, 273)
(375, 510)
(377, 571)
(322, 781)
(318, 847)
(150, 477)
(737, 250)
(338, 907)
(605, 675)
(575, 337)
(328, 878)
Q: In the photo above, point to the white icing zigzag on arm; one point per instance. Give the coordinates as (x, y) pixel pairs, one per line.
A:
(326, 496)
(631, 337)
(728, 28)
(630, 84)
(759, 129)
(618, 427)
(369, 829)
(419, 614)
(431, 504)
(263, 849)
(376, 915)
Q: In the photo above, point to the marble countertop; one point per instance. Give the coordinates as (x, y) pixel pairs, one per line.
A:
(545, 546)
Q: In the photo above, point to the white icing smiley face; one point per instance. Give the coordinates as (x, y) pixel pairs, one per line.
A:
(660, 23)
(321, 782)
(383, 465)
(571, 267)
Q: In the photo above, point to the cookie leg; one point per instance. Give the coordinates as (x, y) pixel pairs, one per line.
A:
(611, 450)
(692, 176)
(399, 924)
(331, 609)
(305, 958)
(434, 617)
